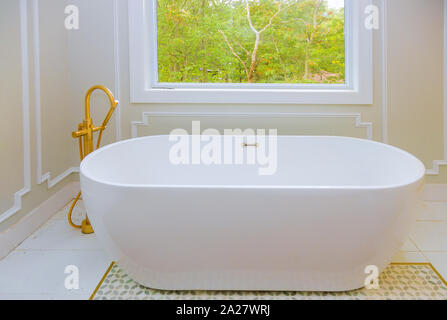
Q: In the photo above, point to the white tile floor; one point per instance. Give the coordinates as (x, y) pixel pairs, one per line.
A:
(36, 269)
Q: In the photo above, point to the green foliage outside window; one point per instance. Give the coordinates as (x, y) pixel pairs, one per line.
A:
(250, 41)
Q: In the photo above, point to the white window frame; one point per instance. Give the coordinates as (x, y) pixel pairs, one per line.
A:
(143, 69)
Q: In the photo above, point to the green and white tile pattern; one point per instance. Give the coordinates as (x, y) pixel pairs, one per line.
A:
(397, 282)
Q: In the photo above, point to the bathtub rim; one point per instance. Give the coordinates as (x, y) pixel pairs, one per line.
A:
(420, 179)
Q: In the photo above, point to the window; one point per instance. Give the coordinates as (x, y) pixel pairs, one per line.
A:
(250, 51)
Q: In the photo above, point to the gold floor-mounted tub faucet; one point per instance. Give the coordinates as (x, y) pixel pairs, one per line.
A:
(85, 133)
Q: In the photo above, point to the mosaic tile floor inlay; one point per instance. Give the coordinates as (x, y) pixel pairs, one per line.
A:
(398, 282)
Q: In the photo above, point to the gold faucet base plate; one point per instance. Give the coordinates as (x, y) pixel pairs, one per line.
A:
(86, 227)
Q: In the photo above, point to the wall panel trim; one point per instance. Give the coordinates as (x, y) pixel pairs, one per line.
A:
(357, 116)
(41, 178)
(25, 115)
(17, 233)
(384, 40)
(116, 49)
(438, 163)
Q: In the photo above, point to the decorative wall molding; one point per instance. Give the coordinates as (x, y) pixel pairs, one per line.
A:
(41, 178)
(436, 167)
(59, 178)
(17, 233)
(25, 115)
(445, 81)
(384, 40)
(357, 116)
(116, 50)
(438, 163)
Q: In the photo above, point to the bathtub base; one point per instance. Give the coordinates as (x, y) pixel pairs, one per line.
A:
(248, 280)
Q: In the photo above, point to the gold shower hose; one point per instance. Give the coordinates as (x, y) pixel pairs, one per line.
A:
(85, 136)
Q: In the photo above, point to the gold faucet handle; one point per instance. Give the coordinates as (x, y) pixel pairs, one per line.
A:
(81, 131)
(78, 134)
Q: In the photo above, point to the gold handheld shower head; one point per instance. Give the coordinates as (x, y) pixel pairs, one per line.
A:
(85, 132)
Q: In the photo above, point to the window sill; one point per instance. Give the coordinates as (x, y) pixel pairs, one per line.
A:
(253, 96)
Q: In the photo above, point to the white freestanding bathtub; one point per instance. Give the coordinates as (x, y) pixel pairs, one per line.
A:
(335, 206)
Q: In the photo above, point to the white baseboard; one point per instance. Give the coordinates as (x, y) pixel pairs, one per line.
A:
(435, 192)
(16, 234)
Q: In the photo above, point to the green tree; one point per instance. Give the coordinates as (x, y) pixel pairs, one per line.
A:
(250, 41)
